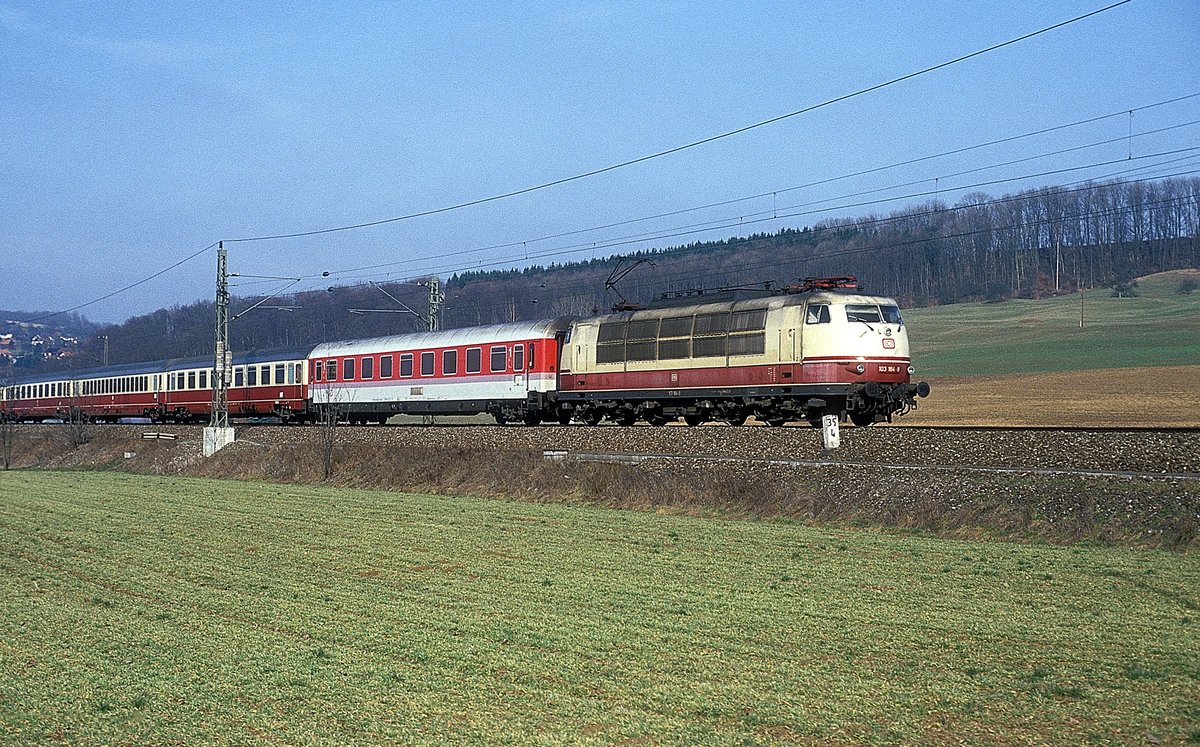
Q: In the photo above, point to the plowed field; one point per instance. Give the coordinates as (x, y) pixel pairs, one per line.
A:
(1133, 397)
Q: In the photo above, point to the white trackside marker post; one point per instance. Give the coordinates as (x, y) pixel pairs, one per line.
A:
(831, 436)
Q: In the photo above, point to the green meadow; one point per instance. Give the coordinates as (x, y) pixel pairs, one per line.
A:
(152, 610)
(1157, 327)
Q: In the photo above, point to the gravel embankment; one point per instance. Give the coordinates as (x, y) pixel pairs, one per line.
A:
(1122, 451)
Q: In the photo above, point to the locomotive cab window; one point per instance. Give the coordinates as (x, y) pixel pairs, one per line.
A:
(891, 315)
(818, 313)
(863, 312)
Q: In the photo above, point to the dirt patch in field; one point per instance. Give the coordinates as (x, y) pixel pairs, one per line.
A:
(1115, 397)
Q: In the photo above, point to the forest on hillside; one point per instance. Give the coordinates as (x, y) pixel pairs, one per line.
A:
(1032, 244)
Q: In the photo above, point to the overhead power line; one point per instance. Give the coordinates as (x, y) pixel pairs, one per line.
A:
(563, 291)
(694, 143)
(131, 286)
(525, 243)
(791, 211)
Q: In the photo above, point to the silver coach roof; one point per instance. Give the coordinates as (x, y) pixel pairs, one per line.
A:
(496, 333)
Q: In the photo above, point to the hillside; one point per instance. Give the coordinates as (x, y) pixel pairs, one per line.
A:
(1158, 327)
(1039, 246)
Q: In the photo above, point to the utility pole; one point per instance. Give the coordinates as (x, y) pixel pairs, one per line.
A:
(1079, 284)
(218, 434)
(220, 382)
(436, 299)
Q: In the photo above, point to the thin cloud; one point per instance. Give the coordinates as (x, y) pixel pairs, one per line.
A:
(146, 52)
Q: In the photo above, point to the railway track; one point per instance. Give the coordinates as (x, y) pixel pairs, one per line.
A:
(1081, 452)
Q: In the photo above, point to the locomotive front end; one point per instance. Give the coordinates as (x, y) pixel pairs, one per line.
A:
(858, 346)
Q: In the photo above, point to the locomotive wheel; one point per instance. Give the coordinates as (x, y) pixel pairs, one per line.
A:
(693, 418)
(656, 419)
(532, 418)
(591, 417)
(862, 419)
(626, 418)
(564, 417)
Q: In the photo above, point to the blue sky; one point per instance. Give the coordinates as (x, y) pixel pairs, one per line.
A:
(132, 135)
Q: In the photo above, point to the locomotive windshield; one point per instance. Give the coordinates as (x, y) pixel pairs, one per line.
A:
(869, 313)
(863, 312)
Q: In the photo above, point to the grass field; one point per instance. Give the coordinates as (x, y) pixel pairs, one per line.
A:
(163, 610)
(1158, 327)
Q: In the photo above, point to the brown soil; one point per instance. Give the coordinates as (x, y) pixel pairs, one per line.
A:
(1115, 397)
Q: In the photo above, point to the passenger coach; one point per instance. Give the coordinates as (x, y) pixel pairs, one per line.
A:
(265, 384)
(506, 370)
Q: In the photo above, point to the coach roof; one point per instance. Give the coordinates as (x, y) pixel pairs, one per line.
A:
(447, 338)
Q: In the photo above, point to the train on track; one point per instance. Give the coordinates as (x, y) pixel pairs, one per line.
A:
(821, 348)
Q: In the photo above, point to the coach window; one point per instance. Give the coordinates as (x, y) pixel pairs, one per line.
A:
(474, 360)
(204, 379)
(251, 376)
(278, 374)
(518, 357)
(239, 377)
(385, 366)
(347, 369)
(368, 368)
(299, 373)
(265, 373)
(499, 358)
(319, 371)
(191, 380)
(818, 313)
(449, 362)
(406, 365)
(427, 364)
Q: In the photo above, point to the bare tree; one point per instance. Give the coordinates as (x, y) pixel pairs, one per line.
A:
(8, 437)
(326, 401)
(77, 424)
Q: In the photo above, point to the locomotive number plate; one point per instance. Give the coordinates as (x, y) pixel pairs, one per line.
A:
(889, 369)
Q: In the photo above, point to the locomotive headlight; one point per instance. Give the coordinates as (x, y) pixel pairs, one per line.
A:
(911, 370)
(860, 368)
